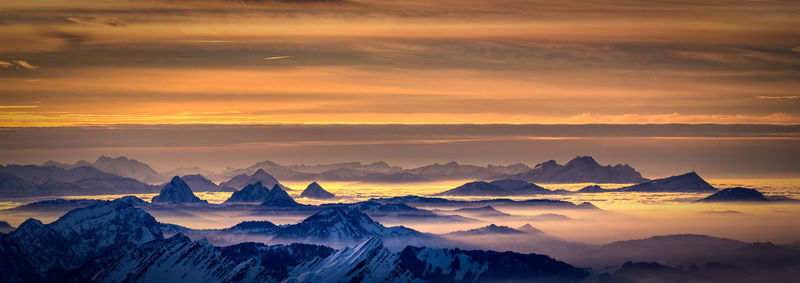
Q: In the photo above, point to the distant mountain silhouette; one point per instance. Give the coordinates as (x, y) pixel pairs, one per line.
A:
(33, 180)
(581, 169)
(498, 202)
(401, 177)
(487, 230)
(734, 195)
(591, 189)
(5, 227)
(198, 183)
(176, 191)
(240, 181)
(253, 193)
(315, 191)
(130, 168)
(689, 182)
(278, 197)
(496, 188)
(483, 211)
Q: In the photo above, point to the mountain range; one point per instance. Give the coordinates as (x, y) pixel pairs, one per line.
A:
(578, 170)
(113, 241)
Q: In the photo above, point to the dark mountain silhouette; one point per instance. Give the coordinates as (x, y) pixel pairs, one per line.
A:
(487, 230)
(505, 187)
(529, 228)
(456, 265)
(592, 189)
(176, 191)
(198, 183)
(243, 180)
(498, 202)
(689, 182)
(279, 198)
(581, 169)
(519, 187)
(734, 195)
(253, 193)
(5, 227)
(483, 211)
(315, 191)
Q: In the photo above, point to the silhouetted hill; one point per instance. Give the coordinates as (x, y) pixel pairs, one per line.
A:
(734, 195)
(176, 191)
(315, 191)
(581, 169)
(689, 182)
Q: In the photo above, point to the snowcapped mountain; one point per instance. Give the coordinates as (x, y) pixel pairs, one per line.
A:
(316, 191)
(367, 261)
(456, 265)
(341, 227)
(130, 168)
(38, 252)
(176, 191)
(178, 259)
(581, 169)
(240, 181)
(689, 182)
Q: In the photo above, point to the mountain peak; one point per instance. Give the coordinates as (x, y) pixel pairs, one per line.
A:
(177, 191)
(582, 160)
(255, 193)
(314, 190)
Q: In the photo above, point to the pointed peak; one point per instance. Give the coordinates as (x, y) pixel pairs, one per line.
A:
(547, 164)
(260, 171)
(176, 179)
(276, 187)
(583, 160)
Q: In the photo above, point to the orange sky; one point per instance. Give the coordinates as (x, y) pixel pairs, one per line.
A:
(66, 63)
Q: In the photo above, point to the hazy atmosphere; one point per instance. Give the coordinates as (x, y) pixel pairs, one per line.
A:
(399, 141)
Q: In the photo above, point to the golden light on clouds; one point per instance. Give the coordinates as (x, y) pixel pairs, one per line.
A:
(375, 62)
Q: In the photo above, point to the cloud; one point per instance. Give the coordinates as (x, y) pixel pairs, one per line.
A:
(277, 57)
(17, 106)
(779, 98)
(99, 21)
(17, 65)
(796, 49)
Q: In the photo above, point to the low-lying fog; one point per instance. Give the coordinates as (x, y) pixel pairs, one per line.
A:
(623, 216)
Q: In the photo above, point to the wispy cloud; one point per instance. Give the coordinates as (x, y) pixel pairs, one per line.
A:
(18, 65)
(17, 106)
(99, 21)
(277, 57)
(779, 98)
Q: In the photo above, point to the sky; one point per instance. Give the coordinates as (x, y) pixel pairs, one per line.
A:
(76, 74)
(101, 62)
